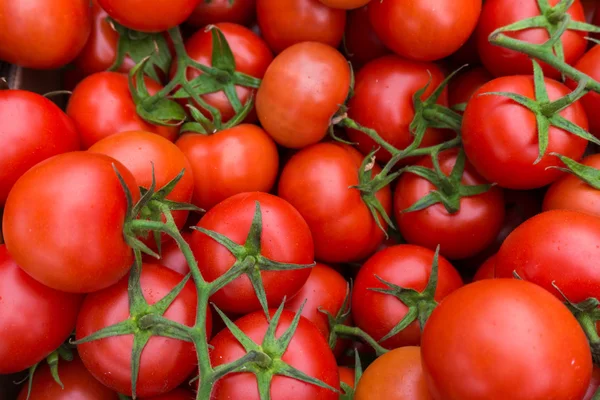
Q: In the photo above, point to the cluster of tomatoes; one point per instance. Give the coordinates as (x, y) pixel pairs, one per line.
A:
(301, 200)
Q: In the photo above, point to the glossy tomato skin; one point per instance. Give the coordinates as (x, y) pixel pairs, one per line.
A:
(396, 375)
(498, 13)
(500, 136)
(437, 28)
(460, 235)
(284, 23)
(239, 12)
(28, 121)
(25, 27)
(23, 300)
(285, 238)
(487, 270)
(101, 105)
(407, 266)
(165, 362)
(345, 4)
(316, 181)
(361, 42)
(308, 351)
(171, 256)
(589, 64)
(79, 244)
(307, 82)
(383, 101)
(149, 16)
(177, 394)
(463, 86)
(514, 340)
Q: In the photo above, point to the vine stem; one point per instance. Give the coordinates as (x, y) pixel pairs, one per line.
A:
(349, 331)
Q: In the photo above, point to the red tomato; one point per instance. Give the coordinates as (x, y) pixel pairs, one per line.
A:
(317, 182)
(41, 34)
(177, 394)
(212, 12)
(500, 136)
(345, 4)
(347, 376)
(149, 16)
(101, 105)
(361, 42)
(241, 159)
(308, 352)
(171, 256)
(284, 23)
(487, 270)
(499, 13)
(504, 339)
(594, 384)
(436, 29)
(409, 267)
(463, 86)
(307, 82)
(28, 121)
(383, 101)
(285, 238)
(460, 235)
(590, 64)
(165, 362)
(73, 207)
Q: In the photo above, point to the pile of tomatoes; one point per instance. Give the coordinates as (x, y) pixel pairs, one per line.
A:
(301, 200)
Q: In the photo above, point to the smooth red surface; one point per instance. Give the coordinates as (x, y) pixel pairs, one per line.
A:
(149, 15)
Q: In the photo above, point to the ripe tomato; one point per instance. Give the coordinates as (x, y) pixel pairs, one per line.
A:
(361, 42)
(149, 16)
(435, 29)
(177, 394)
(212, 12)
(317, 182)
(171, 256)
(499, 13)
(284, 23)
(241, 159)
(383, 101)
(500, 136)
(308, 352)
(409, 267)
(396, 375)
(504, 339)
(345, 4)
(307, 82)
(594, 384)
(78, 384)
(347, 376)
(487, 270)
(165, 362)
(590, 64)
(72, 206)
(463, 86)
(41, 34)
(28, 121)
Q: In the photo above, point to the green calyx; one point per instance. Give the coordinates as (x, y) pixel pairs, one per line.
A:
(347, 391)
(64, 352)
(589, 175)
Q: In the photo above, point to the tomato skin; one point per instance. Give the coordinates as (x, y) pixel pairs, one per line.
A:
(479, 219)
(347, 376)
(463, 86)
(29, 120)
(316, 181)
(165, 362)
(487, 270)
(594, 384)
(498, 13)
(437, 28)
(383, 101)
(171, 256)
(361, 42)
(308, 351)
(407, 266)
(514, 340)
(589, 64)
(177, 394)
(24, 29)
(284, 23)
(101, 105)
(240, 12)
(345, 4)
(149, 16)
(77, 250)
(500, 136)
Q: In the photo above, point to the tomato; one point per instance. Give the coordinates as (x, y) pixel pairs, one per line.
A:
(499, 61)
(383, 101)
(487, 270)
(594, 384)
(72, 207)
(435, 29)
(396, 375)
(28, 120)
(504, 339)
(41, 34)
(212, 12)
(463, 86)
(460, 235)
(589, 64)
(78, 384)
(317, 182)
(165, 362)
(284, 23)
(149, 16)
(500, 136)
(285, 238)
(404, 265)
(347, 376)
(307, 82)
(171, 256)
(345, 4)
(360, 41)
(241, 159)
(101, 105)
(177, 394)
(308, 352)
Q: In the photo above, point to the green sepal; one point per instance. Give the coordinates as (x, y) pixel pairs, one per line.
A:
(589, 175)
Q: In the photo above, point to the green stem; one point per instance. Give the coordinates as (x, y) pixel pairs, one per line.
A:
(355, 332)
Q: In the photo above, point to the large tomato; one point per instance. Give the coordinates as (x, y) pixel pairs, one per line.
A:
(149, 15)
(500, 136)
(43, 34)
(63, 222)
(590, 64)
(32, 130)
(317, 182)
(214, 11)
(505, 339)
(360, 41)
